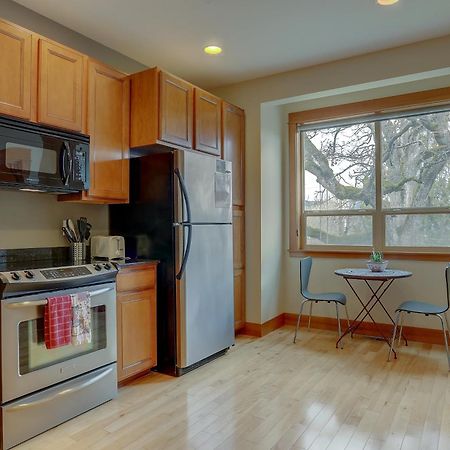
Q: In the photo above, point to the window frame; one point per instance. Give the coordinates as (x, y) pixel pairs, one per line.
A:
(358, 110)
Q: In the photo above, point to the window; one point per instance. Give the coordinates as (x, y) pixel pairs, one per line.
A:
(380, 181)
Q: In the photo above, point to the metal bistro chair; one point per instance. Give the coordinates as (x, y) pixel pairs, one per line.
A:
(428, 309)
(335, 297)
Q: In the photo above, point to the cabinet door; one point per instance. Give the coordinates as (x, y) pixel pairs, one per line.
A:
(16, 76)
(233, 147)
(176, 109)
(61, 77)
(136, 343)
(238, 238)
(239, 299)
(207, 123)
(108, 126)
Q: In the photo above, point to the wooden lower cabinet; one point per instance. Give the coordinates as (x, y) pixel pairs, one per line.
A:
(136, 320)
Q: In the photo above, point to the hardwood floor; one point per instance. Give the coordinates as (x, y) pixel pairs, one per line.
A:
(268, 393)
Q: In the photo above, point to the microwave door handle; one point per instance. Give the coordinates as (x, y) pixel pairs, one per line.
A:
(65, 160)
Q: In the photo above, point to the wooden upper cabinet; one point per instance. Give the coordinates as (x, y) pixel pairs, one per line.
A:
(176, 110)
(17, 76)
(108, 126)
(233, 135)
(162, 110)
(208, 113)
(60, 86)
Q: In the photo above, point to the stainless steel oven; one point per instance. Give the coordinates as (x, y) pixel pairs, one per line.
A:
(29, 366)
(41, 387)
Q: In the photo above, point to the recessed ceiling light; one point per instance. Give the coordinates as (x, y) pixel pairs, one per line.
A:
(212, 50)
(386, 2)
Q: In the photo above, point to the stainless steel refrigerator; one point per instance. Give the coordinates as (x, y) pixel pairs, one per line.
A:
(180, 213)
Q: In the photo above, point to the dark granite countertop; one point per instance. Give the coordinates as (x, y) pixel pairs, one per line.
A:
(127, 262)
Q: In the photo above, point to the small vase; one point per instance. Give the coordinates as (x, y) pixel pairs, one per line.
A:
(377, 266)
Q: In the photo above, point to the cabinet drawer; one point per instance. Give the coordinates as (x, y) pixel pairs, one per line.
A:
(136, 279)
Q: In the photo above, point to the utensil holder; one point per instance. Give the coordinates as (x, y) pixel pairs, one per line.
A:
(78, 252)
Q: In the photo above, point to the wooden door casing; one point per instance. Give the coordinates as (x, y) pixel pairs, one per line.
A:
(19, 71)
(207, 133)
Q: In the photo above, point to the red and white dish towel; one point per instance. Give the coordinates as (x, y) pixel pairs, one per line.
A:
(81, 318)
(58, 321)
(67, 320)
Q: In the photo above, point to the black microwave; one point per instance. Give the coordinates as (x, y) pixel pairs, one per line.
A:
(41, 159)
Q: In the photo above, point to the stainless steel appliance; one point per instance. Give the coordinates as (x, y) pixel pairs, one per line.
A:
(41, 388)
(180, 213)
(42, 159)
(108, 247)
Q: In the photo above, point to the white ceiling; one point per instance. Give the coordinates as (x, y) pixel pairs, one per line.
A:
(259, 37)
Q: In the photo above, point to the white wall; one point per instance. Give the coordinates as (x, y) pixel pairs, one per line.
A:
(272, 211)
(34, 220)
(272, 286)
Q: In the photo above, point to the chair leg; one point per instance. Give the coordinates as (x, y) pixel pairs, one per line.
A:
(298, 320)
(401, 329)
(397, 317)
(339, 323)
(445, 339)
(310, 314)
(446, 322)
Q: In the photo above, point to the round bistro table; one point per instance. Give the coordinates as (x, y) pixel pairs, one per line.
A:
(385, 279)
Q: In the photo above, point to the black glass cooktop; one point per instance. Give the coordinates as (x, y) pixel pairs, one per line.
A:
(11, 266)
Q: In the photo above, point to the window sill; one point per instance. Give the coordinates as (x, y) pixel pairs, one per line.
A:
(345, 254)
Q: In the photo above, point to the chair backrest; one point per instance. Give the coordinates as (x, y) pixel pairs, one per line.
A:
(305, 271)
(447, 280)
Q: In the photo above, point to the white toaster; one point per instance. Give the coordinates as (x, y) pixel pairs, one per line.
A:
(108, 247)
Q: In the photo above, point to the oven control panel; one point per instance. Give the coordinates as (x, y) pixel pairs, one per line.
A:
(65, 272)
(59, 274)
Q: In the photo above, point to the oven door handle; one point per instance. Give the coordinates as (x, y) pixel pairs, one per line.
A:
(62, 393)
(19, 304)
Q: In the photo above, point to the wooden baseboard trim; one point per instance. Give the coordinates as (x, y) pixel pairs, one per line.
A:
(261, 329)
(417, 334)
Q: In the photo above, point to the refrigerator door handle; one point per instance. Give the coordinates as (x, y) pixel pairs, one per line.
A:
(185, 195)
(187, 226)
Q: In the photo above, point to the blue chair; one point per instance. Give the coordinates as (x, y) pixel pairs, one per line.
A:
(336, 297)
(427, 309)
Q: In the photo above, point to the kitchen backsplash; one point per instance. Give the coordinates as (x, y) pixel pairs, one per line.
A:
(34, 220)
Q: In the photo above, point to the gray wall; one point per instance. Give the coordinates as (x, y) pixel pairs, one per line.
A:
(34, 220)
(35, 22)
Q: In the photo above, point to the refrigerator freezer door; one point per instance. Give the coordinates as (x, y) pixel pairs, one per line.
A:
(208, 185)
(205, 319)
